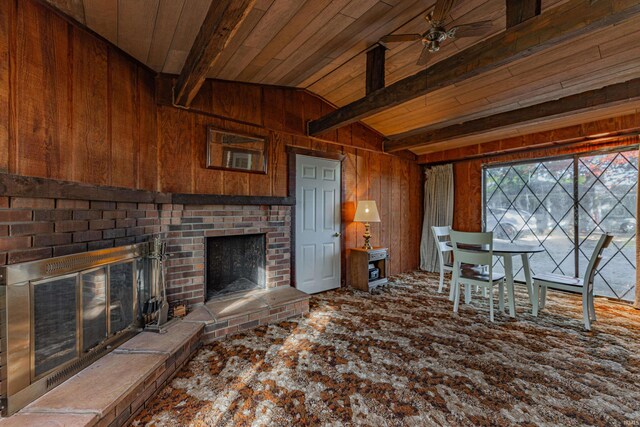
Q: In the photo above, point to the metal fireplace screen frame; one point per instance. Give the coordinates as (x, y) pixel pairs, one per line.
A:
(17, 287)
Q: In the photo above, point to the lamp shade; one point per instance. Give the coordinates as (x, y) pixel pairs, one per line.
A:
(367, 211)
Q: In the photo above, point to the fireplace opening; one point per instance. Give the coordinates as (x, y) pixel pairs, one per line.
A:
(235, 264)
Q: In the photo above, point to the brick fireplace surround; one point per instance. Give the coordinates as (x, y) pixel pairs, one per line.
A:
(33, 228)
(190, 225)
(41, 218)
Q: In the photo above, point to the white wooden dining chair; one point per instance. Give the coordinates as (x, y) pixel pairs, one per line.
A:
(441, 236)
(481, 276)
(544, 281)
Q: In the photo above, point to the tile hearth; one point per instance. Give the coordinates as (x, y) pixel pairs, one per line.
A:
(115, 388)
(238, 312)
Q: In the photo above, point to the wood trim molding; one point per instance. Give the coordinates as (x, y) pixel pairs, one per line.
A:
(607, 96)
(559, 25)
(27, 186)
(34, 187)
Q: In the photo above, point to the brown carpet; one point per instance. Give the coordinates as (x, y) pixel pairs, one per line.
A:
(401, 357)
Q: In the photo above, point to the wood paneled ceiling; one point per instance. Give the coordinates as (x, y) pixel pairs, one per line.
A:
(320, 45)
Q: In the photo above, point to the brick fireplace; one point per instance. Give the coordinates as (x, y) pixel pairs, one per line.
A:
(190, 227)
(42, 218)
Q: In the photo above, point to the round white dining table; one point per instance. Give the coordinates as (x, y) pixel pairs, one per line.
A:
(507, 250)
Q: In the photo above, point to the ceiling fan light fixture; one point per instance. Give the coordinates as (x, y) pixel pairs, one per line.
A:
(438, 32)
(433, 38)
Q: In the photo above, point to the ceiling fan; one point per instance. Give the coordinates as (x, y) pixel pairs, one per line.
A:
(437, 32)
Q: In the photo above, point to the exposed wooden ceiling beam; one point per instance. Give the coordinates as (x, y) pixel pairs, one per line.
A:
(375, 68)
(586, 101)
(221, 23)
(558, 25)
(519, 11)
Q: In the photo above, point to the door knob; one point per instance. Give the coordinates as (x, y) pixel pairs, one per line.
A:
(337, 235)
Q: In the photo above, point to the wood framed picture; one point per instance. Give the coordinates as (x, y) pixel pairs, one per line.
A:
(236, 152)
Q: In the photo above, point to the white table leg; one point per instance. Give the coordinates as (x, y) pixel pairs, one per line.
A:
(527, 276)
(508, 271)
(500, 297)
(536, 300)
(454, 281)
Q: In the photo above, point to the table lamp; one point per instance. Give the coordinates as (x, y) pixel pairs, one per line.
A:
(367, 212)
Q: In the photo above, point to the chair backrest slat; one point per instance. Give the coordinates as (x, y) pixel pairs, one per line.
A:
(466, 256)
(441, 236)
(441, 231)
(470, 257)
(596, 258)
(444, 247)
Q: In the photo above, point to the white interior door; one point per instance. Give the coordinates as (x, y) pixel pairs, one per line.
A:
(317, 224)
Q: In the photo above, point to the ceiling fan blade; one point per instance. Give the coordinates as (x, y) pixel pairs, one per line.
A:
(393, 38)
(441, 10)
(471, 30)
(425, 55)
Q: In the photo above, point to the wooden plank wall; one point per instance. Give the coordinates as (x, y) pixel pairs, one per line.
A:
(5, 14)
(468, 173)
(280, 115)
(72, 107)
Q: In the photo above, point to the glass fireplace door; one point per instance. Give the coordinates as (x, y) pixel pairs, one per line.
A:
(75, 313)
(62, 314)
(55, 317)
(94, 308)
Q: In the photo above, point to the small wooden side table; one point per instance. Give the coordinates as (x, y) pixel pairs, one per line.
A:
(359, 266)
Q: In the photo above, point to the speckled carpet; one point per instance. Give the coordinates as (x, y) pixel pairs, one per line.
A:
(401, 357)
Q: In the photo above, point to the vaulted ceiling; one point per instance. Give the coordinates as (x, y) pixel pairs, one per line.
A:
(320, 45)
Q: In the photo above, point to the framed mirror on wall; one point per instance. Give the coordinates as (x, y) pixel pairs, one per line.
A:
(236, 152)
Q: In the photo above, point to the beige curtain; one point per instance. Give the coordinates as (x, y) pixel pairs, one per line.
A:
(438, 211)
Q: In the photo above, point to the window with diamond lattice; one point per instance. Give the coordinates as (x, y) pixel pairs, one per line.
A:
(564, 205)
